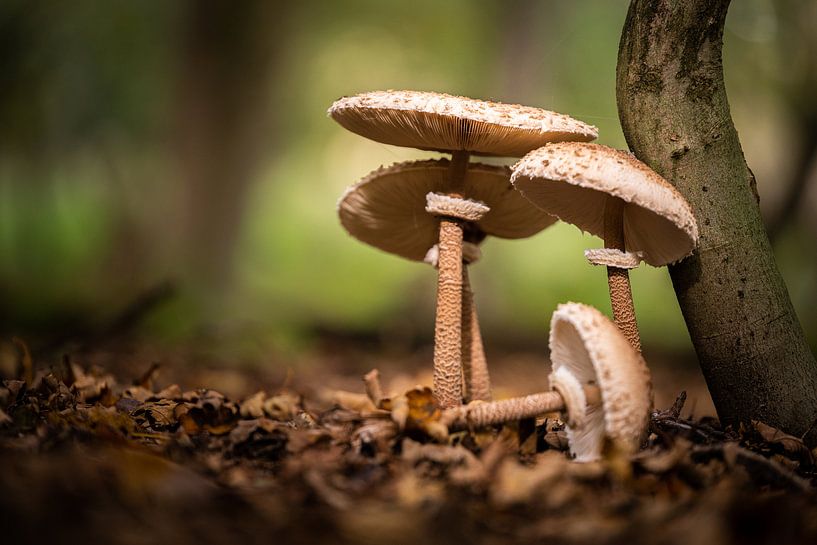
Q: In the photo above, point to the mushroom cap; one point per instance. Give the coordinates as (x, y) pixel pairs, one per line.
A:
(440, 122)
(588, 345)
(573, 180)
(387, 208)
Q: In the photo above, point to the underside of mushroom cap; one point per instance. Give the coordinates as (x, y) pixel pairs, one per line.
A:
(441, 122)
(572, 180)
(587, 344)
(387, 209)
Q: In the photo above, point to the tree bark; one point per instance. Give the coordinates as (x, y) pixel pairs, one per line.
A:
(227, 59)
(675, 116)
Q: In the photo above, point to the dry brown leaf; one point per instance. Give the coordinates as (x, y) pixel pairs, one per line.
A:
(300, 440)
(351, 401)
(14, 387)
(413, 491)
(516, 484)
(661, 461)
(189, 424)
(171, 392)
(424, 415)
(5, 419)
(90, 386)
(283, 406)
(330, 495)
(253, 406)
(218, 429)
(399, 408)
(157, 415)
(792, 446)
(138, 393)
(414, 452)
(259, 438)
(555, 436)
(374, 436)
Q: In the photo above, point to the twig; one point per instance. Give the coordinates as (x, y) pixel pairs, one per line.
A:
(707, 434)
(678, 405)
(146, 380)
(26, 361)
(756, 464)
(374, 390)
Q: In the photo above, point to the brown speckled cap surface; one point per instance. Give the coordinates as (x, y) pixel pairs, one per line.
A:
(440, 122)
(572, 181)
(387, 209)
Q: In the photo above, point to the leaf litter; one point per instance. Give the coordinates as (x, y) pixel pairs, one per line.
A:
(86, 459)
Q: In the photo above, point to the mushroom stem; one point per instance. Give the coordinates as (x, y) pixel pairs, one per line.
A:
(448, 328)
(447, 377)
(456, 171)
(475, 367)
(477, 415)
(618, 280)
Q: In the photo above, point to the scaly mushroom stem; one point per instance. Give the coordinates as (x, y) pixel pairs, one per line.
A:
(448, 327)
(478, 415)
(447, 377)
(618, 280)
(475, 367)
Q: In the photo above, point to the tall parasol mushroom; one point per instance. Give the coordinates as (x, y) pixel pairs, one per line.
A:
(461, 126)
(387, 210)
(613, 195)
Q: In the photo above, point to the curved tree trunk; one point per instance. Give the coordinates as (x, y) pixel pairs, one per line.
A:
(673, 109)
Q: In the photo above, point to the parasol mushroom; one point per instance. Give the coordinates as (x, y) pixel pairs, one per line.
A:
(599, 381)
(613, 195)
(461, 126)
(388, 210)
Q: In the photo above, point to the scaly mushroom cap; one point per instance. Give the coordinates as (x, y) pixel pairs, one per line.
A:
(587, 346)
(387, 209)
(572, 181)
(440, 122)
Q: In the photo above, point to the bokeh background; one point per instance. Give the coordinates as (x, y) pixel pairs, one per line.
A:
(167, 169)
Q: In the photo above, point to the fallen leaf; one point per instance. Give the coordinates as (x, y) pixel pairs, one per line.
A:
(792, 446)
(253, 406)
(283, 406)
(516, 484)
(424, 415)
(350, 400)
(171, 392)
(157, 415)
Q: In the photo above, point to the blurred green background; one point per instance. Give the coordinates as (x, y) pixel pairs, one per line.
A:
(179, 153)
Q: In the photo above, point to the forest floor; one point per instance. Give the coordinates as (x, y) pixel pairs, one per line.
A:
(97, 452)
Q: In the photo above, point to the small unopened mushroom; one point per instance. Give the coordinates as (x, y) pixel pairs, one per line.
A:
(461, 126)
(388, 210)
(599, 381)
(613, 195)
